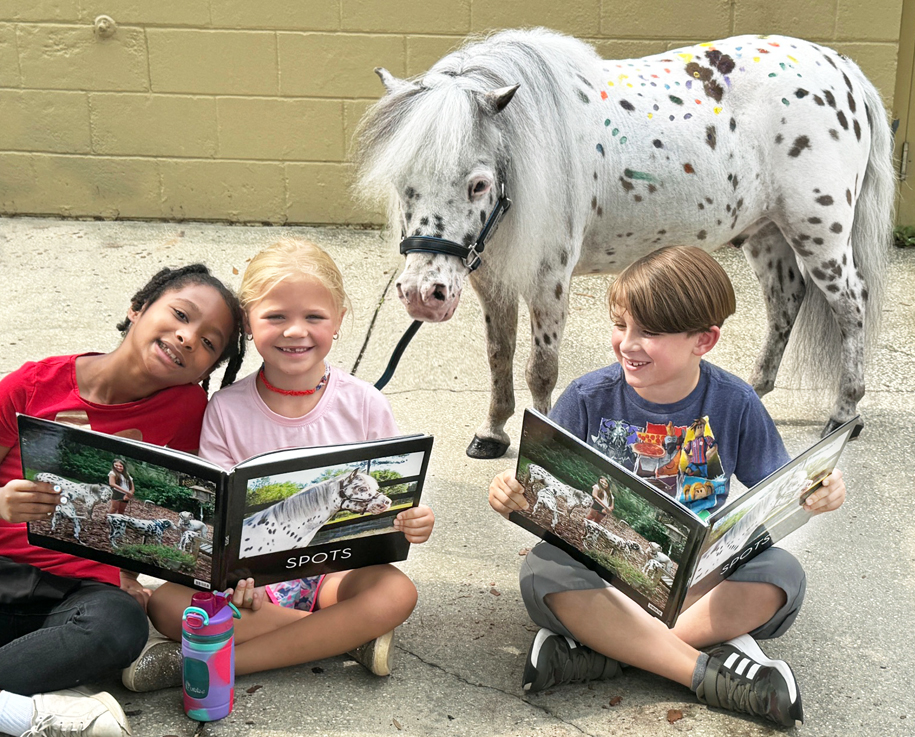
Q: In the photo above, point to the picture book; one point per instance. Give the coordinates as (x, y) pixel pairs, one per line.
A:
(636, 528)
(277, 516)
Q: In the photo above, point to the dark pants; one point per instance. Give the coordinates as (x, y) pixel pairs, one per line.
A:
(63, 632)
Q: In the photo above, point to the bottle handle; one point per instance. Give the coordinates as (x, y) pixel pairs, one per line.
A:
(197, 612)
(235, 613)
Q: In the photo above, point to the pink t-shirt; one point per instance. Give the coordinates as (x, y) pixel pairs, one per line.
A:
(238, 424)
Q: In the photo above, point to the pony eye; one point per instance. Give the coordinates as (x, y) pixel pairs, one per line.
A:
(478, 187)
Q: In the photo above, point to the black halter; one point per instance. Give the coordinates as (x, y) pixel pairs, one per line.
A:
(469, 255)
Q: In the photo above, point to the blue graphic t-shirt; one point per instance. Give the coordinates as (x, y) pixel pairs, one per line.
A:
(689, 449)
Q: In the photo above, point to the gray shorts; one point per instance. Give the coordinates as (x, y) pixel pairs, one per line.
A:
(548, 570)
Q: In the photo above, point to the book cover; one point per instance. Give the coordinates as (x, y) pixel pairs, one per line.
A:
(278, 516)
(636, 534)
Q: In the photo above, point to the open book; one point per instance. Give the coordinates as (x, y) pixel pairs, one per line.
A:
(278, 516)
(639, 537)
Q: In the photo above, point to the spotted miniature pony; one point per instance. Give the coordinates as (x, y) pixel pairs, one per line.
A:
(293, 522)
(774, 144)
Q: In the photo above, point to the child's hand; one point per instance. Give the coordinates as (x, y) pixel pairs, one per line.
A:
(829, 496)
(28, 501)
(246, 595)
(506, 494)
(415, 523)
(132, 586)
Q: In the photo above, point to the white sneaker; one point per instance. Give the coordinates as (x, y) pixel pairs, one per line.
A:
(375, 655)
(77, 713)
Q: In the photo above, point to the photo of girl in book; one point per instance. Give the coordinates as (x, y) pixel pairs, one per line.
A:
(603, 500)
(122, 489)
(347, 500)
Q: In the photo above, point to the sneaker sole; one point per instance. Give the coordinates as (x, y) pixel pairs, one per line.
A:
(748, 646)
(381, 662)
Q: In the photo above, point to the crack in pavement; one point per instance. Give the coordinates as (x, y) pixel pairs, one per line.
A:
(510, 694)
(371, 326)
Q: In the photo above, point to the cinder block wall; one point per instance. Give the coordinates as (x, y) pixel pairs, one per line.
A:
(243, 111)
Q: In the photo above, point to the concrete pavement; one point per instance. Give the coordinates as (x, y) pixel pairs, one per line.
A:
(459, 657)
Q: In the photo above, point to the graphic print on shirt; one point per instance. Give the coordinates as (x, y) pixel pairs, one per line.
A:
(681, 461)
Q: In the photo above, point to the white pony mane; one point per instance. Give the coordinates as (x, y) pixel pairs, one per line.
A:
(435, 123)
(303, 503)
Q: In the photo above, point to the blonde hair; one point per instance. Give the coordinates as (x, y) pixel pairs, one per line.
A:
(677, 289)
(291, 259)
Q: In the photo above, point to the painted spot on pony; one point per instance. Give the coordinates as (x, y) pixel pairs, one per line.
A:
(515, 122)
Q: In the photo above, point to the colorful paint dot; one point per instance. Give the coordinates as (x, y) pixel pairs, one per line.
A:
(607, 121)
(756, 58)
(623, 140)
(782, 65)
(772, 74)
(600, 149)
(698, 102)
(650, 116)
(615, 131)
(784, 100)
(687, 116)
(603, 95)
(688, 168)
(793, 59)
(717, 111)
(675, 100)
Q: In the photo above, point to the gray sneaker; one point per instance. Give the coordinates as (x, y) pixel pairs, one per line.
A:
(375, 655)
(739, 677)
(159, 666)
(77, 713)
(554, 659)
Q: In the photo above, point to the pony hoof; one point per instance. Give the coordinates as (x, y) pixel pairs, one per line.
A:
(833, 424)
(480, 448)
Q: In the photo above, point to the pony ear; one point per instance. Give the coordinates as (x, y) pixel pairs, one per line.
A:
(495, 100)
(392, 84)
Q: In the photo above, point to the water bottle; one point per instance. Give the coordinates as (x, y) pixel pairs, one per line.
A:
(208, 647)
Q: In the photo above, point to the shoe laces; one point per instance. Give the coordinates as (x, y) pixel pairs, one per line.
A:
(742, 696)
(48, 726)
(581, 665)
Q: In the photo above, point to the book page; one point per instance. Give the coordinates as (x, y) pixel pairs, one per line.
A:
(632, 534)
(164, 527)
(767, 512)
(306, 514)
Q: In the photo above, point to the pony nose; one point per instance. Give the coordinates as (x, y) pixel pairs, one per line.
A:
(435, 291)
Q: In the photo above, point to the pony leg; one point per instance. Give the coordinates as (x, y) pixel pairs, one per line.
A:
(500, 312)
(548, 319)
(775, 266)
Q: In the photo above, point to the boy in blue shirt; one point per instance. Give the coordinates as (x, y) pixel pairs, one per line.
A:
(667, 310)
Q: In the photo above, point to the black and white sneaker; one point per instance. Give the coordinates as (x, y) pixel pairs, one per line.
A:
(739, 677)
(555, 659)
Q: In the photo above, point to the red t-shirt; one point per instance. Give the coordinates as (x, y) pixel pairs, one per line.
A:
(48, 389)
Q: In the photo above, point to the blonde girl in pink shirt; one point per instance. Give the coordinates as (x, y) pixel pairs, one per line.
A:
(294, 303)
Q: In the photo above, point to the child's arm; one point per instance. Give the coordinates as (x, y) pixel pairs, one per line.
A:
(829, 496)
(415, 523)
(506, 494)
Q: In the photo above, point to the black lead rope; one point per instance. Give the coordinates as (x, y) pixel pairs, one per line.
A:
(398, 352)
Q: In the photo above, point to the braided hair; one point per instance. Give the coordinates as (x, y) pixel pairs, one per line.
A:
(168, 280)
